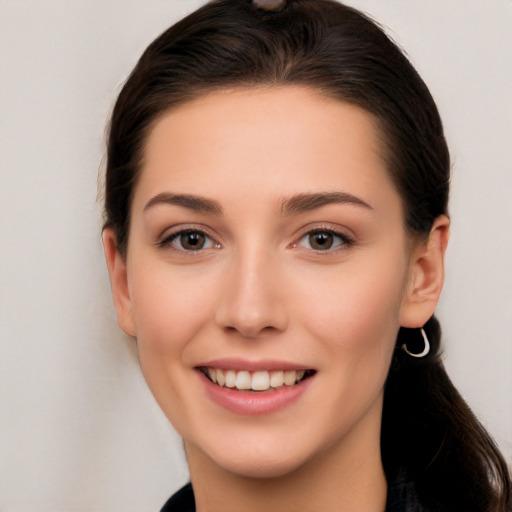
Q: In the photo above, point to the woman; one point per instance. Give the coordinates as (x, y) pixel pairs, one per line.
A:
(276, 223)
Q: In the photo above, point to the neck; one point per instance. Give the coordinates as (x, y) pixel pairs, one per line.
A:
(343, 479)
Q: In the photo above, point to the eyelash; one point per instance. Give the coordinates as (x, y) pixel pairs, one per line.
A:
(343, 240)
(168, 241)
(339, 240)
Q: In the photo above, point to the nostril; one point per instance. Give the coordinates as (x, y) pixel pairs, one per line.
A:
(248, 331)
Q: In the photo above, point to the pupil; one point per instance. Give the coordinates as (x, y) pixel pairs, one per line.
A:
(321, 241)
(192, 240)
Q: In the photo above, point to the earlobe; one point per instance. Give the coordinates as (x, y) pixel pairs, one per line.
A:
(116, 266)
(426, 276)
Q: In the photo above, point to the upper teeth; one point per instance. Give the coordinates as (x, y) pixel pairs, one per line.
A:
(256, 381)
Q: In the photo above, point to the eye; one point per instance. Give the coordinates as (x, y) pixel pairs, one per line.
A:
(189, 240)
(324, 240)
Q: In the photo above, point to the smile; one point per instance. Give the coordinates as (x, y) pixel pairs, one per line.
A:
(261, 380)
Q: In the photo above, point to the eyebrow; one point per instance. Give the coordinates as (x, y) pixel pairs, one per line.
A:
(307, 202)
(296, 204)
(192, 202)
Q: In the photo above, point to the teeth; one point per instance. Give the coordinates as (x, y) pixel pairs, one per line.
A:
(257, 381)
(212, 374)
(220, 378)
(260, 381)
(230, 378)
(290, 377)
(277, 379)
(243, 380)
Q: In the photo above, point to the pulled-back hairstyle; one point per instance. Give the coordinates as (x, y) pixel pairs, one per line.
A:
(429, 435)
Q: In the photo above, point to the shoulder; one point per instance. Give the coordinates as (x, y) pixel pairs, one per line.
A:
(181, 501)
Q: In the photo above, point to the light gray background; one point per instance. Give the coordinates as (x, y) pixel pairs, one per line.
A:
(78, 429)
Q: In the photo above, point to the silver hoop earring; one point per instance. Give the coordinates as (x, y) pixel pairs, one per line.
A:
(425, 351)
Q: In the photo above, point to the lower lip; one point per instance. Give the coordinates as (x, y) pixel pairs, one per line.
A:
(252, 403)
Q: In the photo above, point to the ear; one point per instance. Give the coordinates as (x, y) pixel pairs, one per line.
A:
(116, 265)
(426, 276)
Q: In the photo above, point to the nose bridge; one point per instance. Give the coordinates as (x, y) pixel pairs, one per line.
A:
(252, 296)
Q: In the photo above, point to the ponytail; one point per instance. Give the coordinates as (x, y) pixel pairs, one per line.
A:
(431, 436)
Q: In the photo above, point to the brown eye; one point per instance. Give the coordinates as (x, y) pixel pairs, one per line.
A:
(192, 240)
(189, 240)
(321, 241)
(324, 240)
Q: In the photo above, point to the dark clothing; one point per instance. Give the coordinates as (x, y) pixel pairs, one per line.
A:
(401, 498)
(182, 501)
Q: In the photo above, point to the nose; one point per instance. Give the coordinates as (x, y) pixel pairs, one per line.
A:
(253, 297)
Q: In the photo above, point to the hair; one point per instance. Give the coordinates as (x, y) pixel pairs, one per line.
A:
(429, 434)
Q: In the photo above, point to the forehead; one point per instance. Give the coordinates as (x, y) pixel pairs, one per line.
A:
(264, 142)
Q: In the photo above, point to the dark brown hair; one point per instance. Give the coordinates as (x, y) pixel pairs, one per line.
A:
(429, 434)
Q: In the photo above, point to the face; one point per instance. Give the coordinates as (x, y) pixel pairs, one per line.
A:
(266, 277)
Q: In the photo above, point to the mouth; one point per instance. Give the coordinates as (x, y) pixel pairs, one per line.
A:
(260, 381)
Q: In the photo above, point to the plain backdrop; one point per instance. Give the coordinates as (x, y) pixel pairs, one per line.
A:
(79, 431)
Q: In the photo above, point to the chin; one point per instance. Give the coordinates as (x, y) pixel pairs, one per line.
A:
(261, 468)
(259, 460)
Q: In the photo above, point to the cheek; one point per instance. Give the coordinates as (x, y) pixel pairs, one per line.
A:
(169, 307)
(169, 310)
(355, 322)
(355, 312)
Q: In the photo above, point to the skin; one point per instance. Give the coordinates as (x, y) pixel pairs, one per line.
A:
(260, 290)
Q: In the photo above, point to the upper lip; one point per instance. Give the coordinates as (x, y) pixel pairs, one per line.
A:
(238, 364)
